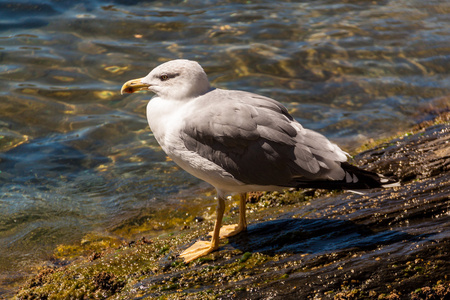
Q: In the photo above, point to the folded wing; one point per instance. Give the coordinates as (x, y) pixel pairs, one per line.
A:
(256, 140)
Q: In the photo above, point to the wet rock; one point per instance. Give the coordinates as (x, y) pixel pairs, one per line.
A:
(386, 244)
(422, 155)
(381, 245)
(108, 282)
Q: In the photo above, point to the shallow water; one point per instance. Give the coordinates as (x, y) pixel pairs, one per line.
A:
(77, 157)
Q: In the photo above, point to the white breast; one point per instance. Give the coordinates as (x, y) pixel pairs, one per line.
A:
(165, 118)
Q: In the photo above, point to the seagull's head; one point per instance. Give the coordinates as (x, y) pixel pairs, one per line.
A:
(175, 79)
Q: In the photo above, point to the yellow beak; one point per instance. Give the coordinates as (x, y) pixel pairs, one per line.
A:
(133, 85)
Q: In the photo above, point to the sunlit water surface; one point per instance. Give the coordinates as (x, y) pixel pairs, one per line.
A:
(77, 157)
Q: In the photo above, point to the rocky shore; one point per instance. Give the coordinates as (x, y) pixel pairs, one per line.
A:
(384, 244)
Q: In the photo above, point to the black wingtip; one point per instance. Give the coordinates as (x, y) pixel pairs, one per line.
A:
(369, 179)
(355, 179)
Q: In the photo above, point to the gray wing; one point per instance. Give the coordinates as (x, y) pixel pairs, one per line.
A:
(256, 140)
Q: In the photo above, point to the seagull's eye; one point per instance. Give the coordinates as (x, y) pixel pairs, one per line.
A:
(164, 77)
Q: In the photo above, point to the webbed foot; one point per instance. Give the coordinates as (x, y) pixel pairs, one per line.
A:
(199, 249)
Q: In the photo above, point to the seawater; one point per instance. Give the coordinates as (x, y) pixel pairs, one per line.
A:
(76, 157)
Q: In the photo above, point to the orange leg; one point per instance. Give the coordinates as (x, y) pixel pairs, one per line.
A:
(231, 230)
(202, 248)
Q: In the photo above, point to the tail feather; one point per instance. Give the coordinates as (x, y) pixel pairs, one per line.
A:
(355, 179)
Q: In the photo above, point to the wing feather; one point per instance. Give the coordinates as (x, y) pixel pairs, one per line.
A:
(255, 139)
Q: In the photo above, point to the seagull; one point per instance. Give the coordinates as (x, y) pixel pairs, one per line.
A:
(239, 142)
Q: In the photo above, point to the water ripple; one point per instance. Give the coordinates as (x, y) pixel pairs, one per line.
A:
(76, 155)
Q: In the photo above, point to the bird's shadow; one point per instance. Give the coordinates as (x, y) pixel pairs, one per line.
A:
(313, 236)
